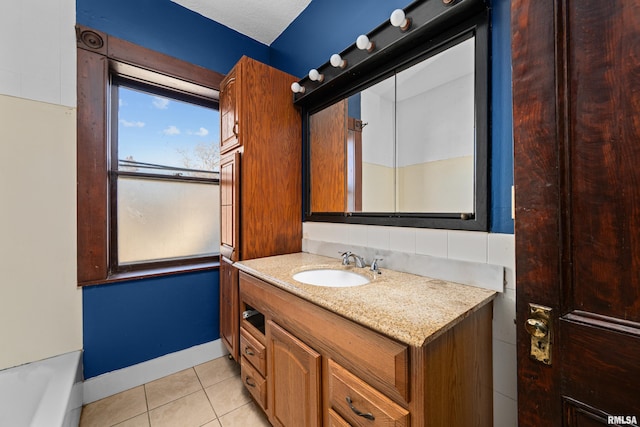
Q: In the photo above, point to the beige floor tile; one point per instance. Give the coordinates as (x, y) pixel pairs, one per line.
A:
(141, 420)
(245, 416)
(217, 370)
(228, 395)
(172, 387)
(193, 410)
(214, 423)
(114, 409)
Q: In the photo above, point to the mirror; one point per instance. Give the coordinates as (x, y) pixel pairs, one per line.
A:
(404, 144)
(402, 139)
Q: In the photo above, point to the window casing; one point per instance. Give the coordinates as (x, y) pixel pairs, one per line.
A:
(101, 57)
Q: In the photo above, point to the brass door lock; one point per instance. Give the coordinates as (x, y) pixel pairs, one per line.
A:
(538, 325)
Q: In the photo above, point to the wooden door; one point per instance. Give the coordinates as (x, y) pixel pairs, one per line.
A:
(229, 315)
(229, 206)
(293, 373)
(576, 103)
(229, 111)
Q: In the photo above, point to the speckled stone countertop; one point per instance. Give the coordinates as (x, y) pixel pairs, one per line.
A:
(412, 309)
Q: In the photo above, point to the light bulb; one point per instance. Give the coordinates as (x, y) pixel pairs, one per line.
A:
(315, 75)
(364, 43)
(297, 88)
(337, 61)
(399, 19)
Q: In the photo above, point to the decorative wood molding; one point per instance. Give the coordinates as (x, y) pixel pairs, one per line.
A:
(100, 54)
(90, 39)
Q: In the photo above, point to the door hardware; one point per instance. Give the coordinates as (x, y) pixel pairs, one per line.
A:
(538, 325)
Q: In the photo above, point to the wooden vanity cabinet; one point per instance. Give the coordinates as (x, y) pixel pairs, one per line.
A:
(229, 328)
(323, 369)
(260, 174)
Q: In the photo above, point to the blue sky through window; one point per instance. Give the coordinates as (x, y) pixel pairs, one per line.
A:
(165, 131)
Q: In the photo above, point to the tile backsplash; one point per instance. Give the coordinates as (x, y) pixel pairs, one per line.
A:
(457, 256)
(483, 259)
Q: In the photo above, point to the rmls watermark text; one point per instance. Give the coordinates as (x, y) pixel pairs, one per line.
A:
(622, 420)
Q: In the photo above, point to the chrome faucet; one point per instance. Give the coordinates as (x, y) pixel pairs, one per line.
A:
(358, 259)
(374, 265)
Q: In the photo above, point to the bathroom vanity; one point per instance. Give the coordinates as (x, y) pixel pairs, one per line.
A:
(400, 350)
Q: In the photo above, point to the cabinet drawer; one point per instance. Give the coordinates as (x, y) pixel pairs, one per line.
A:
(359, 403)
(336, 420)
(254, 382)
(252, 350)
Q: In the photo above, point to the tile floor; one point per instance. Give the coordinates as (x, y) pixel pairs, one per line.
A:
(207, 395)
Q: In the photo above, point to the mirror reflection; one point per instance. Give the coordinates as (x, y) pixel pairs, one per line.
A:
(405, 144)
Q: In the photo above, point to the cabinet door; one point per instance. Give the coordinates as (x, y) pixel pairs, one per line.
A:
(229, 112)
(294, 380)
(229, 317)
(229, 213)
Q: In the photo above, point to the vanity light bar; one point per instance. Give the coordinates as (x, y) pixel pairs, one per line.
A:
(404, 29)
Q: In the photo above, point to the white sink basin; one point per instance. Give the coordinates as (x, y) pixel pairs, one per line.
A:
(331, 278)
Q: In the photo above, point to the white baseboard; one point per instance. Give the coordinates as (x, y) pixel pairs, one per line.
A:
(132, 376)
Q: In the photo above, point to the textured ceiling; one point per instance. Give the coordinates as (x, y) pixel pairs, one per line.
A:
(262, 20)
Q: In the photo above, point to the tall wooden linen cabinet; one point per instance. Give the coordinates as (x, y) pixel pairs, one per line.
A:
(260, 178)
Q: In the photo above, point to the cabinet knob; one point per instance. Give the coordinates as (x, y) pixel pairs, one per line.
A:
(249, 381)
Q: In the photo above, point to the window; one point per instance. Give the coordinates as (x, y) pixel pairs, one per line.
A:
(147, 170)
(164, 177)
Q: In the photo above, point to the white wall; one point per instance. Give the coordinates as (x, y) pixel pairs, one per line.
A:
(434, 167)
(476, 247)
(40, 305)
(437, 124)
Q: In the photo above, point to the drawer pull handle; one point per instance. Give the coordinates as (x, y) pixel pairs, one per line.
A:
(248, 351)
(249, 381)
(367, 415)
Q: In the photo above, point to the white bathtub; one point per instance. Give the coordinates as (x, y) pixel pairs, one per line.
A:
(47, 393)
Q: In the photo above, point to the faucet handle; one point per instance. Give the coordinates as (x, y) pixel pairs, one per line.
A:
(374, 265)
(345, 257)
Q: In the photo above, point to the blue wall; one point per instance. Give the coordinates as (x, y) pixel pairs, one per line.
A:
(329, 26)
(326, 27)
(131, 322)
(502, 118)
(169, 28)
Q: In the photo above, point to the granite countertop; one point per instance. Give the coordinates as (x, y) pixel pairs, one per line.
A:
(409, 308)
